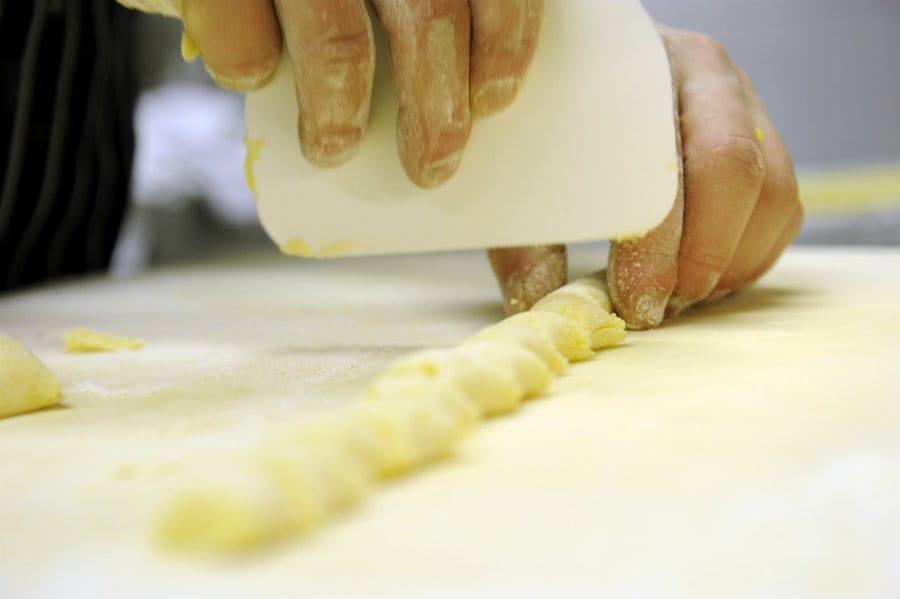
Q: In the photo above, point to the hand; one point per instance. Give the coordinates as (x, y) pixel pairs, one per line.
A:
(450, 58)
(736, 212)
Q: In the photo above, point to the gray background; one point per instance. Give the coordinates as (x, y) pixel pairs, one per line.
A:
(829, 70)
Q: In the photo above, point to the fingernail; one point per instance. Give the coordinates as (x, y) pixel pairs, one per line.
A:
(649, 310)
(331, 146)
(495, 95)
(438, 171)
(242, 82)
(514, 295)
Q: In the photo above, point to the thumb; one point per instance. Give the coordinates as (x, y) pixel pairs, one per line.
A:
(642, 272)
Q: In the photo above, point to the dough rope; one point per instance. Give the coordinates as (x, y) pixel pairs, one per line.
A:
(415, 412)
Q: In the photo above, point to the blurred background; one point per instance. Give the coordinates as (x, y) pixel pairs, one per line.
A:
(829, 71)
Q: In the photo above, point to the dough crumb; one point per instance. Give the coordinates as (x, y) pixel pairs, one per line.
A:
(189, 49)
(25, 383)
(83, 340)
(254, 147)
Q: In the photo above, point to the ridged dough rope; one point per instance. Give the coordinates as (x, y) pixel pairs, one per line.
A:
(415, 412)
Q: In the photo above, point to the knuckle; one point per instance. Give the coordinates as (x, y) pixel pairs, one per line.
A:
(352, 46)
(738, 158)
(706, 260)
(708, 46)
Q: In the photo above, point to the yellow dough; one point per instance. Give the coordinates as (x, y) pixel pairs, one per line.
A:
(189, 49)
(25, 383)
(88, 340)
(413, 413)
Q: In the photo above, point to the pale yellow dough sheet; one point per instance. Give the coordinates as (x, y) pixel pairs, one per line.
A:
(25, 383)
(414, 412)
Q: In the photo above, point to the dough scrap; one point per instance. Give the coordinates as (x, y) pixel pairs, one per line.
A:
(415, 412)
(25, 383)
(83, 340)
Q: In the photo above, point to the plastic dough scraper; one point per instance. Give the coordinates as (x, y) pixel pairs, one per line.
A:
(586, 152)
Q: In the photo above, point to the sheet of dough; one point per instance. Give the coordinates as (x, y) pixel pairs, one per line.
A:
(747, 449)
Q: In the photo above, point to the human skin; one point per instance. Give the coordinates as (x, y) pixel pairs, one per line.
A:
(451, 58)
(737, 208)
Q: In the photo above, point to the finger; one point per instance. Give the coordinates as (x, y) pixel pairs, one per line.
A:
(332, 50)
(526, 274)
(723, 161)
(429, 42)
(776, 206)
(642, 273)
(504, 35)
(239, 40)
(787, 236)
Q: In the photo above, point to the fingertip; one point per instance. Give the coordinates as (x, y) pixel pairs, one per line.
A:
(430, 157)
(430, 50)
(696, 281)
(438, 171)
(646, 311)
(513, 295)
(494, 96)
(643, 272)
(676, 305)
(527, 274)
(330, 146)
(246, 78)
(635, 294)
(504, 37)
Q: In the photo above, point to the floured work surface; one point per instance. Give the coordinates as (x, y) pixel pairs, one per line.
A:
(748, 447)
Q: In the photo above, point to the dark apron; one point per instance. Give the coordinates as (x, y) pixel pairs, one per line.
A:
(67, 90)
